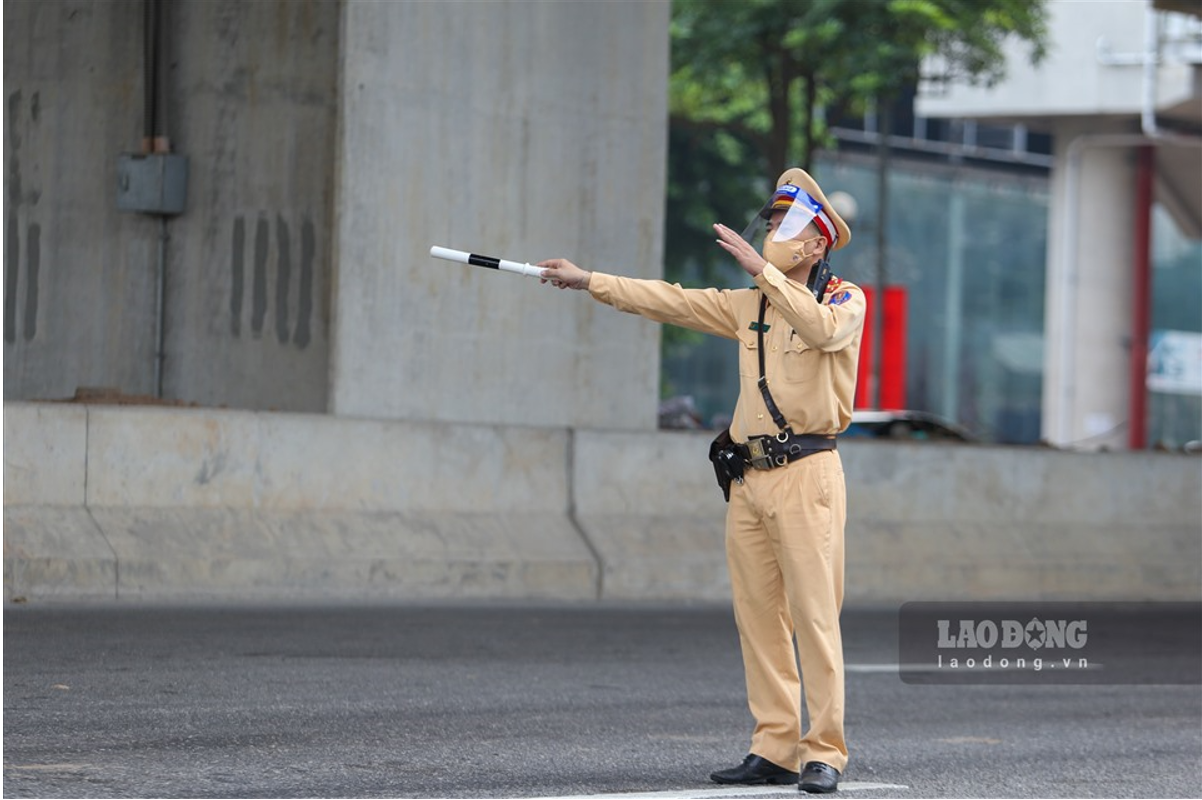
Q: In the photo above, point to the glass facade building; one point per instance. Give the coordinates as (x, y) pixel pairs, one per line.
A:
(969, 245)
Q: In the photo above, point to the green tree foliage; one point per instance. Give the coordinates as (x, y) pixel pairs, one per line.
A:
(753, 80)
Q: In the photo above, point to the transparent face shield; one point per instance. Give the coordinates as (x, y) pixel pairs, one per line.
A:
(786, 217)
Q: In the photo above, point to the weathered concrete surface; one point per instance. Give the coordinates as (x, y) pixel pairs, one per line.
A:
(952, 522)
(653, 512)
(79, 274)
(182, 503)
(201, 503)
(45, 454)
(515, 129)
(55, 552)
(201, 458)
(253, 260)
(329, 145)
(250, 99)
(244, 553)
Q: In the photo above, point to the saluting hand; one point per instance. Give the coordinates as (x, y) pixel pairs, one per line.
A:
(563, 274)
(751, 261)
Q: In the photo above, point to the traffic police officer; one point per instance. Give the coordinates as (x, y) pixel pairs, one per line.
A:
(799, 341)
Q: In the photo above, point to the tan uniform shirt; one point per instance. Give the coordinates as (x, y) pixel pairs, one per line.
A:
(811, 348)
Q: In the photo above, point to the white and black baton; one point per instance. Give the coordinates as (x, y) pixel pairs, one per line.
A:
(486, 261)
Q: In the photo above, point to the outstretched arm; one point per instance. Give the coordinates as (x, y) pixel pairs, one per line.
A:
(705, 310)
(563, 274)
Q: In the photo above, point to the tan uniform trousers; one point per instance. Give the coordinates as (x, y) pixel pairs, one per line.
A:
(784, 547)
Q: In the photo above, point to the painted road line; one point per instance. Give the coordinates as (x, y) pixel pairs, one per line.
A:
(947, 669)
(895, 668)
(718, 792)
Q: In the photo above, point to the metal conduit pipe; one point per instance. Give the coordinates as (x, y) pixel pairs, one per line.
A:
(150, 64)
(155, 140)
(160, 350)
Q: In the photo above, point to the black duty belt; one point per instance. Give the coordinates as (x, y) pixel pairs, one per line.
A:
(768, 452)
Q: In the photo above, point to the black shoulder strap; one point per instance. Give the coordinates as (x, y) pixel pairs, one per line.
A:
(777, 417)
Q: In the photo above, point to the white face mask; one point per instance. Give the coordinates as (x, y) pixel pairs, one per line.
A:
(787, 255)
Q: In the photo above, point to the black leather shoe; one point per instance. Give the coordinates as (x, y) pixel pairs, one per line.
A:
(754, 770)
(819, 778)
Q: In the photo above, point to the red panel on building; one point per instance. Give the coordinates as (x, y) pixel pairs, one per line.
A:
(893, 349)
(892, 393)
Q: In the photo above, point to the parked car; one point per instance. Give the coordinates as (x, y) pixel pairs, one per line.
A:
(905, 426)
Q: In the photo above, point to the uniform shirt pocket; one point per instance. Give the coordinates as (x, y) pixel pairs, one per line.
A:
(801, 363)
(749, 354)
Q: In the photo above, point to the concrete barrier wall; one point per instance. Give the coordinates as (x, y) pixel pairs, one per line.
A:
(954, 522)
(154, 503)
(165, 503)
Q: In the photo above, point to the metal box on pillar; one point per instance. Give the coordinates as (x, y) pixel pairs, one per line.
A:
(152, 183)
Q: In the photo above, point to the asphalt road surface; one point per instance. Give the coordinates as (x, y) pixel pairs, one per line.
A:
(523, 701)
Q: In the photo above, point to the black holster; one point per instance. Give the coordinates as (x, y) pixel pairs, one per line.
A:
(728, 464)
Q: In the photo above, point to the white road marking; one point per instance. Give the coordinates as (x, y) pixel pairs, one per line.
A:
(725, 791)
(894, 668)
(948, 669)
